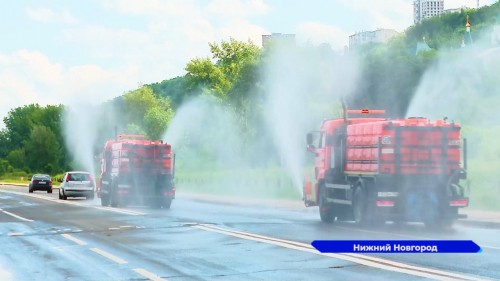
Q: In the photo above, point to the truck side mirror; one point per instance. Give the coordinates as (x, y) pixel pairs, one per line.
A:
(309, 140)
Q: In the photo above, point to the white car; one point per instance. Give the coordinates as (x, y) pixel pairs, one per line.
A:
(77, 184)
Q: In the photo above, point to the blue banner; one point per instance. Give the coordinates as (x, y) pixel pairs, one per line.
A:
(396, 246)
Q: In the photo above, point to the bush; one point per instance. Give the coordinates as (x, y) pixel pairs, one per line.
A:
(5, 167)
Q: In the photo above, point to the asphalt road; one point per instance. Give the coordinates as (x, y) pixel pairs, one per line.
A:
(43, 238)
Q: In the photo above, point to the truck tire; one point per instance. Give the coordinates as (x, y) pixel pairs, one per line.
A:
(359, 206)
(112, 201)
(104, 200)
(447, 222)
(155, 203)
(441, 224)
(112, 194)
(167, 203)
(326, 212)
(432, 213)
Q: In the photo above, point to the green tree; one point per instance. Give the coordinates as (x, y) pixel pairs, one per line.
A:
(42, 150)
(17, 158)
(231, 78)
(134, 129)
(174, 89)
(4, 143)
(5, 167)
(233, 62)
(203, 74)
(148, 113)
(19, 123)
(157, 120)
(138, 103)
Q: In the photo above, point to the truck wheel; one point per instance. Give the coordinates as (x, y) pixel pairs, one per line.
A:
(447, 222)
(359, 206)
(112, 194)
(443, 223)
(104, 200)
(113, 202)
(167, 203)
(431, 212)
(155, 203)
(325, 209)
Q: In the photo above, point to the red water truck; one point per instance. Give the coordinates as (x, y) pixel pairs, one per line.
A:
(372, 170)
(135, 170)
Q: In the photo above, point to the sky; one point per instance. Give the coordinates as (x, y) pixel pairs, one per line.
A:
(74, 52)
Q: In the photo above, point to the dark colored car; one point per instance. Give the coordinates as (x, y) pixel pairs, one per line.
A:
(40, 182)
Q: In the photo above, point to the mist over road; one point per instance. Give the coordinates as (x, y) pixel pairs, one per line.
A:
(44, 238)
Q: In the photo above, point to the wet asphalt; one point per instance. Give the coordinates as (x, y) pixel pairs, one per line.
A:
(44, 238)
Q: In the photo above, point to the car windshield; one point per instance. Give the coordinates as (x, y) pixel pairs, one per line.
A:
(79, 177)
(41, 177)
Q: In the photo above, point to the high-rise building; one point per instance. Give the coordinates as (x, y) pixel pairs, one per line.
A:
(423, 9)
(376, 36)
(278, 37)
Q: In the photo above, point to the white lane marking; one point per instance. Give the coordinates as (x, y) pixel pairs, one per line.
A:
(16, 216)
(407, 236)
(149, 275)
(55, 200)
(76, 240)
(117, 210)
(356, 258)
(5, 275)
(108, 256)
(16, 234)
(490, 247)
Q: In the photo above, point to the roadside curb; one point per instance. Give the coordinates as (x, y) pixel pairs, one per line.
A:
(22, 185)
(479, 223)
(239, 201)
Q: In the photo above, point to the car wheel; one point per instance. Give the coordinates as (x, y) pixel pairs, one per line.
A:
(49, 191)
(60, 196)
(64, 197)
(30, 190)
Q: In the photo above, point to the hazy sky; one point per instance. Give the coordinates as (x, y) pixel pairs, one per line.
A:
(63, 51)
